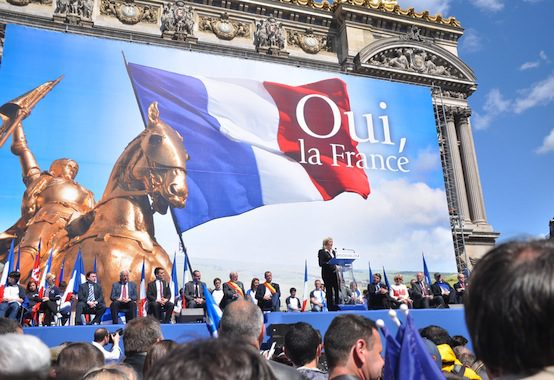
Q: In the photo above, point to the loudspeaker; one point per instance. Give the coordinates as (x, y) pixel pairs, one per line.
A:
(191, 316)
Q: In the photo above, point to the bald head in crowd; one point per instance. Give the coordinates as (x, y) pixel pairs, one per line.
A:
(510, 306)
(242, 321)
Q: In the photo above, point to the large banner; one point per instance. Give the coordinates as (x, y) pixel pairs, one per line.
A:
(281, 157)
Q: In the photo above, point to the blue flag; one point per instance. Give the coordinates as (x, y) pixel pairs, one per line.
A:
(18, 258)
(386, 278)
(174, 284)
(415, 361)
(370, 272)
(426, 271)
(213, 312)
(392, 353)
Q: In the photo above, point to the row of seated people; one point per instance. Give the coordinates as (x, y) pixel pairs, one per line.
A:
(419, 295)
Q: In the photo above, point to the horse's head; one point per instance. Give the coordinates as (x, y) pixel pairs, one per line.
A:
(164, 175)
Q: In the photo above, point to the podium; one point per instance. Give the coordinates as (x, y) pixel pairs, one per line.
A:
(343, 260)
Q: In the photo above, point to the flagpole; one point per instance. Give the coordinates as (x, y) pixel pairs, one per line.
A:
(144, 117)
(182, 242)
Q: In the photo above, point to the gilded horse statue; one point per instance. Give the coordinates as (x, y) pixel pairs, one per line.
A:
(148, 177)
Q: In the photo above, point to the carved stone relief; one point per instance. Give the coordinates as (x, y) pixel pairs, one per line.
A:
(223, 27)
(309, 41)
(413, 34)
(178, 22)
(415, 60)
(75, 12)
(2, 36)
(22, 3)
(269, 37)
(129, 12)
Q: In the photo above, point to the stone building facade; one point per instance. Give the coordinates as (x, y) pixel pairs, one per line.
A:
(374, 38)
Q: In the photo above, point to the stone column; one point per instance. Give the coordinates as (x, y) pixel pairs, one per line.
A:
(452, 143)
(471, 170)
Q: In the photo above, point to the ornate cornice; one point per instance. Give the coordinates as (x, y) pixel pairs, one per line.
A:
(129, 12)
(380, 5)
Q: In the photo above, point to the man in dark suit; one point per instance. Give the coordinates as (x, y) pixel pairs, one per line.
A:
(158, 294)
(460, 288)
(444, 290)
(329, 274)
(232, 290)
(194, 291)
(423, 296)
(90, 300)
(377, 294)
(124, 297)
(268, 294)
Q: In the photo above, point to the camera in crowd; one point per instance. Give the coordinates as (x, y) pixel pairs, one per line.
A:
(116, 332)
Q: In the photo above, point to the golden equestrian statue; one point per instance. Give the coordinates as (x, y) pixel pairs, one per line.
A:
(119, 230)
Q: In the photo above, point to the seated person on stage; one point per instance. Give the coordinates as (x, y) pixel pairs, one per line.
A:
(252, 291)
(33, 298)
(303, 347)
(293, 303)
(65, 305)
(102, 338)
(14, 294)
(49, 304)
(90, 300)
(179, 299)
(194, 291)
(217, 292)
(268, 294)
(124, 297)
(460, 288)
(443, 289)
(317, 298)
(158, 295)
(378, 294)
(399, 292)
(356, 296)
(423, 296)
(232, 290)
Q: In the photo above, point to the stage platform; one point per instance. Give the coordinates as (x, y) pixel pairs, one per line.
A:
(450, 319)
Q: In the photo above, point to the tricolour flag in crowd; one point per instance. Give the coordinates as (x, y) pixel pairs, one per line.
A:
(306, 300)
(77, 278)
(35, 273)
(142, 293)
(174, 283)
(213, 312)
(250, 143)
(46, 270)
(407, 356)
(7, 269)
(426, 271)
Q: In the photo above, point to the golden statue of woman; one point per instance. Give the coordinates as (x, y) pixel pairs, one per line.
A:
(52, 198)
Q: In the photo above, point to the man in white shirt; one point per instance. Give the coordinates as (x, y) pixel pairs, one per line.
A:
(101, 339)
(13, 297)
(317, 297)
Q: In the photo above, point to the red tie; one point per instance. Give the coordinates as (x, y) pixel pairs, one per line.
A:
(124, 292)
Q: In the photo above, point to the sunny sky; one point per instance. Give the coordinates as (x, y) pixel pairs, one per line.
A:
(509, 46)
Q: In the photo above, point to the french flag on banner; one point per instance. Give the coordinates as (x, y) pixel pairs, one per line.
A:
(254, 143)
(142, 295)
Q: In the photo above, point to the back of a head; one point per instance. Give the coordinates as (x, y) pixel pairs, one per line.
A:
(140, 334)
(511, 300)
(301, 343)
(76, 359)
(342, 334)
(241, 320)
(231, 360)
(9, 326)
(23, 357)
(158, 352)
(111, 372)
(436, 334)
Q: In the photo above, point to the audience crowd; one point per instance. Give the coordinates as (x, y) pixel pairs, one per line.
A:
(509, 323)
